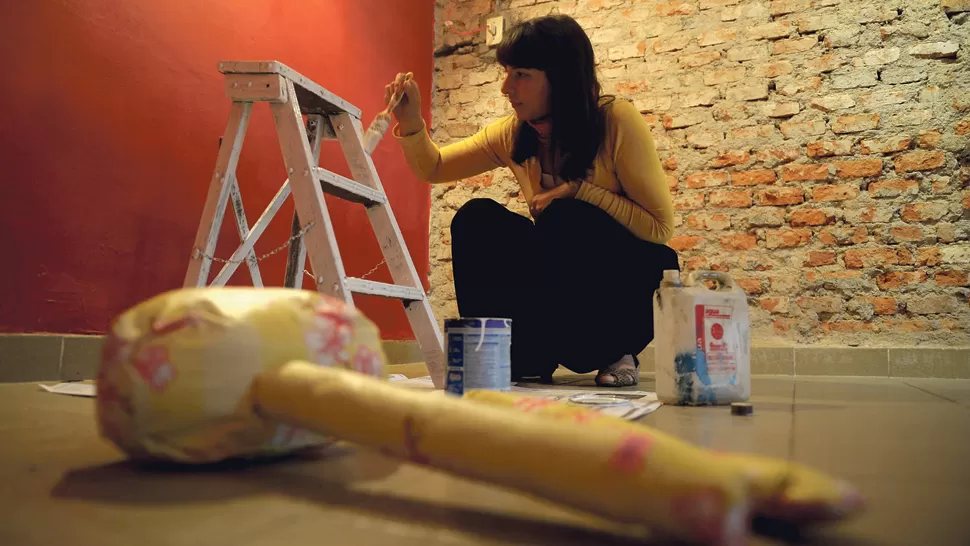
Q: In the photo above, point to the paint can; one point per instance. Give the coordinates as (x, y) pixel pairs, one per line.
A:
(479, 354)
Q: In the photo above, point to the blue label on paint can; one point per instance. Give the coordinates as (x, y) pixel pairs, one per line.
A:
(479, 354)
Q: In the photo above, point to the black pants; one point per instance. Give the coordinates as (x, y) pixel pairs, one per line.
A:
(577, 285)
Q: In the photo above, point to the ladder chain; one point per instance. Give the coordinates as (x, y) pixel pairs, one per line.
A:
(276, 250)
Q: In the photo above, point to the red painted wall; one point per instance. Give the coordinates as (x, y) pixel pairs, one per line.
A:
(112, 112)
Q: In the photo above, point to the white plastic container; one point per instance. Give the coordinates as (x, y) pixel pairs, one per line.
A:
(702, 340)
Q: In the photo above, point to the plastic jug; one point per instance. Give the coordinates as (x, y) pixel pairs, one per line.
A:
(701, 339)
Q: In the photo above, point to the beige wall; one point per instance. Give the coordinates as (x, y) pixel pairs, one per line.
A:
(816, 150)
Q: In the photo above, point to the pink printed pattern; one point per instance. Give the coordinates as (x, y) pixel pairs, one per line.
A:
(705, 514)
(368, 362)
(154, 367)
(631, 455)
(330, 334)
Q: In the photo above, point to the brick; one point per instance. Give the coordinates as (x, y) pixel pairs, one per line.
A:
(781, 109)
(734, 157)
(684, 242)
(934, 50)
(882, 305)
(669, 9)
(686, 119)
(931, 305)
(919, 160)
(856, 123)
(751, 287)
(811, 217)
(818, 258)
(885, 145)
(906, 234)
(766, 217)
(653, 103)
(858, 168)
(801, 85)
(782, 326)
(780, 196)
(911, 117)
(870, 257)
(747, 92)
(952, 277)
(874, 14)
(727, 75)
(787, 238)
(826, 63)
(715, 37)
(815, 23)
(709, 221)
(739, 241)
(955, 6)
(830, 103)
(929, 139)
(795, 45)
(773, 69)
(893, 188)
(707, 179)
(632, 87)
(705, 97)
(711, 4)
(626, 51)
(754, 177)
(847, 327)
(880, 57)
(776, 155)
(731, 198)
(867, 215)
(854, 78)
(747, 53)
(820, 304)
(899, 75)
(776, 306)
(836, 192)
(828, 148)
(693, 60)
(801, 171)
(962, 127)
(784, 7)
(672, 182)
(924, 212)
(704, 139)
(688, 202)
(674, 42)
(756, 132)
(796, 129)
(776, 29)
(878, 99)
(842, 236)
(929, 256)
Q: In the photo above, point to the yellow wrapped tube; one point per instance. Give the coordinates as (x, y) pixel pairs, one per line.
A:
(623, 475)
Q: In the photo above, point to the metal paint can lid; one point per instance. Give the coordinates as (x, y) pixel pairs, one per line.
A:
(741, 408)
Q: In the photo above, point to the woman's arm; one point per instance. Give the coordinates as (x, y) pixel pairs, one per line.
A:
(484, 151)
(647, 209)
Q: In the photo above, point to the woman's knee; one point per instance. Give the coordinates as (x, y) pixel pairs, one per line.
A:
(475, 211)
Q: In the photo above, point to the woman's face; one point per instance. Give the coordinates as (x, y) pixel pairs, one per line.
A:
(528, 91)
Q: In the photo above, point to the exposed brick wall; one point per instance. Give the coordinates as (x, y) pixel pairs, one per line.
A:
(817, 150)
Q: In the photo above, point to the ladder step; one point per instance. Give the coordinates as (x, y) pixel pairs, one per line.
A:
(345, 188)
(313, 98)
(406, 293)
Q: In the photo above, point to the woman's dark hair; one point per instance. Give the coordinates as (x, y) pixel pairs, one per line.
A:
(558, 46)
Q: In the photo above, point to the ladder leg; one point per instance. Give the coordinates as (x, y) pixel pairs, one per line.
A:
(242, 226)
(426, 330)
(219, 188)
(321, 243)
(296, 260)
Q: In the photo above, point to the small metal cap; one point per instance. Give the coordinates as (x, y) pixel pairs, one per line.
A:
(741, 408)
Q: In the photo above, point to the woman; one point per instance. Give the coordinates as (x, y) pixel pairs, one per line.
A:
(577, 281)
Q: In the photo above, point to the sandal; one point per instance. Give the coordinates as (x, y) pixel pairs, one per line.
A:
(623, 377)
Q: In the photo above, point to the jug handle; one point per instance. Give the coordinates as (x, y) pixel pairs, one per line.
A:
(722, 279)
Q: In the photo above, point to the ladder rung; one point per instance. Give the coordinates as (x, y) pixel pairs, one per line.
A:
(348, 189)
(406, 293)
(313, 98)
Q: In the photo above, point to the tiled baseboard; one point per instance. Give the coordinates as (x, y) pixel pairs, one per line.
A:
(50, 357)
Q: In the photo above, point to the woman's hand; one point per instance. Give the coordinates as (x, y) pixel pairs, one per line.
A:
(542, 200)
(408, 111)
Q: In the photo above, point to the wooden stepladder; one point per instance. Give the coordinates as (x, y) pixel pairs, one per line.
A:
(290, 95)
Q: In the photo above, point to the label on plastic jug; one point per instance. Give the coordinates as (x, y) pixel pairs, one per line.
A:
(717, 344)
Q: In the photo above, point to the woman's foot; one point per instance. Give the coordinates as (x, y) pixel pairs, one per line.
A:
(625, 372)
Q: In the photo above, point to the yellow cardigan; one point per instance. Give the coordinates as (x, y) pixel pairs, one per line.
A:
(627, 181)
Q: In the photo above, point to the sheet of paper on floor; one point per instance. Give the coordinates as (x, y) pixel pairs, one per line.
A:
(71, 389)
(630, 405)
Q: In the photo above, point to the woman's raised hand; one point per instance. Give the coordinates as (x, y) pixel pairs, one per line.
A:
(408, 110)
